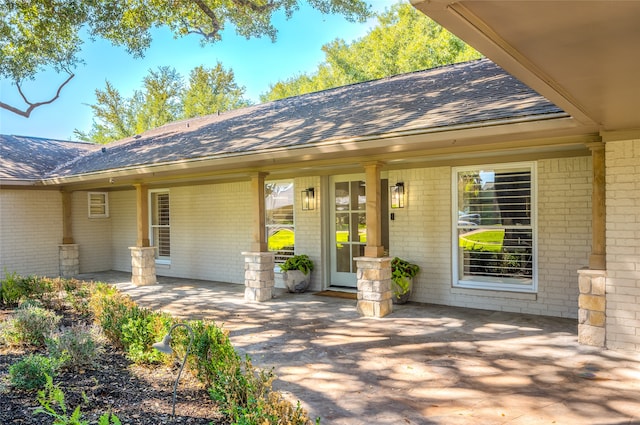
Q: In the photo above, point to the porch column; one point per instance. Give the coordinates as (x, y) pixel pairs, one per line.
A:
(374, 246)
(259, 276)
(374, 270)
(597, 259)
(592, 281)
(143, 260)
(68, 251)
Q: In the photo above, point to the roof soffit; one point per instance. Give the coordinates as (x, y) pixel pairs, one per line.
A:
(578, 54)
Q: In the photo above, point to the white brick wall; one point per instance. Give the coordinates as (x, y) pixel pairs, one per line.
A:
(211, 225)
(421, 233)
(623, 244)
(122, 212)
(308, 230)
(30, 231)
(93, 236)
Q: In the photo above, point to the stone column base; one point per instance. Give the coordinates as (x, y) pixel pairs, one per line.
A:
(374, 286)
(592, 307)
(259, 278)
(69, 259)
(143, 266)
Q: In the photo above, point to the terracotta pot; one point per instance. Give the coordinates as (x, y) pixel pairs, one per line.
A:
(296, 281)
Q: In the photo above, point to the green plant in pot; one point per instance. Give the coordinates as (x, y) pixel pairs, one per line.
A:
(402, 274)
(296, 272)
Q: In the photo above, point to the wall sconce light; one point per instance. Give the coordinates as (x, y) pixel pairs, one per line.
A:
(308, 199)
(397, 195)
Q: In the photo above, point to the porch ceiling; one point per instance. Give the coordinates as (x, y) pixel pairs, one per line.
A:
(581, 55)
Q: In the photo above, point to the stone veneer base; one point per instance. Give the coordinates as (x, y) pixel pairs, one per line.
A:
(143, 266)
(259, 278)
(592, 307)
(374, 286)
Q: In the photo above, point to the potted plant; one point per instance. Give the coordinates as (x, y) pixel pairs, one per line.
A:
(402, 274)
(296, 273)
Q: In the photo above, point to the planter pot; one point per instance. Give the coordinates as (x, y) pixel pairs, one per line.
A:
(296, 281)
(401, 298)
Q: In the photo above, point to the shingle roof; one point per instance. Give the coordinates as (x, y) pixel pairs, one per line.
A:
(33, 158)
(468, 93)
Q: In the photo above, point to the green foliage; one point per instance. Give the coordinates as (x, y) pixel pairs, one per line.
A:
(404, 40)
(140, 330)
(75, 346)
(32, 371)
(51, 396)
(109, 419)
(43, 35)
(15, 288)
(162, 99)
(401, 272)
(30, 325)
(300, 262)
(212, 90)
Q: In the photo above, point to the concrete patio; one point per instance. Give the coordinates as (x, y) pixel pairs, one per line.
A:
(424, 364)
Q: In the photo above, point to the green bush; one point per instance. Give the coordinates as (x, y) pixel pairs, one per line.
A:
(30, 325)
(12, 289)
(31, 372)
(75, 346)
(140, 329)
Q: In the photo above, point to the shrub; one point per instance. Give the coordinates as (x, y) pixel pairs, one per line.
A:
(75, 346)
(12, 289)
(31, 372)
(31, 325)
(140, 329)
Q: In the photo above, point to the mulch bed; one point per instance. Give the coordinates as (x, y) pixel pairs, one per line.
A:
(138, 395)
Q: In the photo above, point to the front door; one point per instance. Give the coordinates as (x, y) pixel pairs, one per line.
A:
(349, 226)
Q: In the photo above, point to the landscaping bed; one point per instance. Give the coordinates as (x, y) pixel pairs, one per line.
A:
(137, 394)
(78, 353)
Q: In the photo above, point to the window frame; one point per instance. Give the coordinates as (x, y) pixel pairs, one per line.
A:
(159, 259)
(499, 284)
(292, 227)
(104, 204)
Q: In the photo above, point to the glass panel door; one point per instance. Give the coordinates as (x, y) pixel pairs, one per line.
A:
(349, 229)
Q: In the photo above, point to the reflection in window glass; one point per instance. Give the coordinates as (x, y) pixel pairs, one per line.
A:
(496, 241)
(279, 220)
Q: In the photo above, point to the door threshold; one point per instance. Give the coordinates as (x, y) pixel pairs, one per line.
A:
(347, 289)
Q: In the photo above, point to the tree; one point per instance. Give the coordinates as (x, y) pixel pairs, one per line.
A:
(212, 90)
(404, 40)
(162, 99)
(38, 35)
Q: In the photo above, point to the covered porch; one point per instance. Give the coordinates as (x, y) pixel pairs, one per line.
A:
(423, 364)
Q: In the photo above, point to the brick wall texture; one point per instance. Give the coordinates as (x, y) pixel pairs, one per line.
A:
(623, 245)
(211, 226)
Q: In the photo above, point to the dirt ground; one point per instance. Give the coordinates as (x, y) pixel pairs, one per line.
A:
(137, 395)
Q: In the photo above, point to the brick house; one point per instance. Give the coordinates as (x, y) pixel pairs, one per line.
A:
(494, 191)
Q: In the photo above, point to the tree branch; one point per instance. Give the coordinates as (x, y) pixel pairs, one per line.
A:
(214, 19)
(27, 112)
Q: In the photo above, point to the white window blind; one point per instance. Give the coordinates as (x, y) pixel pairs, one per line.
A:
(161, 224)
(495, 243)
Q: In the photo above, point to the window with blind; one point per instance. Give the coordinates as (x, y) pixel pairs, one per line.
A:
(98, 204)
(160, 225)
(279, 220)
(494, 228)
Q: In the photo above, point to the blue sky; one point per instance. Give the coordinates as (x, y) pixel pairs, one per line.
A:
(256, 63)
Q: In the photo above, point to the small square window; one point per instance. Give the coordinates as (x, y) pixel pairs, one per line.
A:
(98, 204)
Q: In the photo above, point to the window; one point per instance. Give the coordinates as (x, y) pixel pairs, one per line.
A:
(98, 204)
(494, 228)
(279, 221)
(160, 225)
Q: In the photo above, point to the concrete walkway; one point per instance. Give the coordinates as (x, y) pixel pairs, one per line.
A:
(424, 364)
